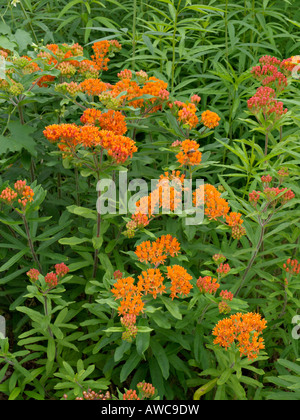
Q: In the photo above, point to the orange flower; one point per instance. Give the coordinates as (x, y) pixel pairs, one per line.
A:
(180, 281)
(120, 148)
(65, 134)
(8, 195)
(187, 115)
(90, 116)
(88, 136)
(234, 219)
(245, 330)
(131, 89)
(210, 119)
(207, 285)
(215, 205)
(56, 132)
(130, 295)
(113, 121)
(154, 86)
(189, 154)
(167, 195)
(22, 192)
(101, 50)
(93, 87)
(125, 74)
(157, 252)
(151, 281)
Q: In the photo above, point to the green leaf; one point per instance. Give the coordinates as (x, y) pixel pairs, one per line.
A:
(224, 377)
(23, 39)
(14, 394)
(129, 366)
(205, 389)
(172, 307)
(20, 138)
(13, 260)
(161, 357)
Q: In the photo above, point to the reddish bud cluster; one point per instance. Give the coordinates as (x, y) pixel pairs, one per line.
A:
(207, 285)
(51, 278)
(223, 269)
(21, 192)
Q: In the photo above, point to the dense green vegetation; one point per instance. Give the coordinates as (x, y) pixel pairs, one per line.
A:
(92, 90)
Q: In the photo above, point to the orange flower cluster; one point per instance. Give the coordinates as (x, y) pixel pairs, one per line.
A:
(217, 208)
(292, 268)
(120, 148)
(289, 64)
(244, 330)
(187, 116)
(151, 281)
(21, 192)
(130, 90)
(180, 281)
(130, 395)
(110, 120)
(185, 112)
(189, 154)
(167, 196)
(147, 390)
(157, 252)
(70, 136)
(93, 87)
(130, 296)
(215, 205)
(101, 51)
(210, 119)
(156, 88)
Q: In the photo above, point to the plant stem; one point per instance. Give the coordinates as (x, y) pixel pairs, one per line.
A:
(30, 243)
(173, 47)
(134, 33)
(98, 236)
(266, 143)
(253, 258)
(46, 313)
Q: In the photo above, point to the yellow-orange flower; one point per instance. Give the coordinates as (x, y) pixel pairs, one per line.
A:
(110, 120)
(187, 115)
(210, 119)
(93, 87)
(151, 281)
(101, 50)
(180, 281)
(189, 154)
(131, 89)
(130, 296)
(120, 148)
(244, 329)
(214, 205)
(157, 252)
(234, 219)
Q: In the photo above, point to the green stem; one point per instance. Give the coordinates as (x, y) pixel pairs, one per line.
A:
(134, 33)
(260, 241)
(173, 47)
(30, 243)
